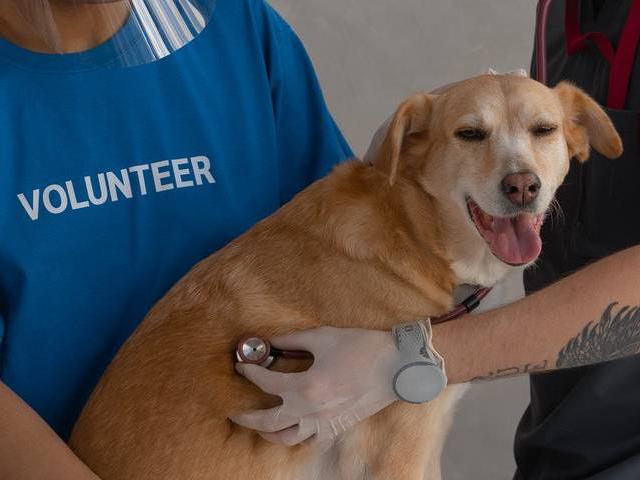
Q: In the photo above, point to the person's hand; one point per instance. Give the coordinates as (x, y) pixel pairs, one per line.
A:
(351, 379)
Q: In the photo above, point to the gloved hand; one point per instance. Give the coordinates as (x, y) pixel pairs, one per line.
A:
(351, 379)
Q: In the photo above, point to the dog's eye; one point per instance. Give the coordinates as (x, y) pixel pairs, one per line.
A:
(542, 130)
(471, 134)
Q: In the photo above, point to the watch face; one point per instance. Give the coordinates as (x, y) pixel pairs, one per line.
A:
(419, 382)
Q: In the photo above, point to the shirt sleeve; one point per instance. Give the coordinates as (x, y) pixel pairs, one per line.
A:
(309, 141)
(2, 328)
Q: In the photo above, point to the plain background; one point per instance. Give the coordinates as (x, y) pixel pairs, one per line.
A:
(369, 54)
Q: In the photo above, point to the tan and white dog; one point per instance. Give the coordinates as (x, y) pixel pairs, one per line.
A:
(458, 194)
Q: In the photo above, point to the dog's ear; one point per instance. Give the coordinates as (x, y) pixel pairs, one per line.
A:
(411, 117)
(586, 124)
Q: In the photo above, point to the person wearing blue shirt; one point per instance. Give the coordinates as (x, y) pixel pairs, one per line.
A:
(119, 173)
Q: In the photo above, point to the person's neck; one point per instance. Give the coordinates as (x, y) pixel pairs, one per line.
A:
(67, 27)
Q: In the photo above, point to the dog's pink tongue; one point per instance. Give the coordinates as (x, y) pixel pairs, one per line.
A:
(516, 240)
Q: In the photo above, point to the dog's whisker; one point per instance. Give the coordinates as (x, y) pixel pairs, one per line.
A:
(555, 213)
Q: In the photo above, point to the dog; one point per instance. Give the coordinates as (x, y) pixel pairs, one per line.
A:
(457, 194)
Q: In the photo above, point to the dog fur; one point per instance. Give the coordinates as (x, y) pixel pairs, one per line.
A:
(368, 246)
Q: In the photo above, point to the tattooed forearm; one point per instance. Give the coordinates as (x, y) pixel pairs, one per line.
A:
(613, 336)
(513, 371)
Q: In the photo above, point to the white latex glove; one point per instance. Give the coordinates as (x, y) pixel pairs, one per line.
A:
(351, 379)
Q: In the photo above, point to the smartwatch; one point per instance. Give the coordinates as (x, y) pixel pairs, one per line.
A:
(420, 376)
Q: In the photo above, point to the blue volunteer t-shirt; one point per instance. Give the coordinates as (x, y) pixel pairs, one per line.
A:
(114, 181)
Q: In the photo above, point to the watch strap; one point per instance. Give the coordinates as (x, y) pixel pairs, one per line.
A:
(414, 342)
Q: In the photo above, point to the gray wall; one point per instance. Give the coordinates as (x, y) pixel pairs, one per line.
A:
(369, 54)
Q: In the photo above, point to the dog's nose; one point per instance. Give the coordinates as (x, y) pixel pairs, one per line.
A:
(521, 188)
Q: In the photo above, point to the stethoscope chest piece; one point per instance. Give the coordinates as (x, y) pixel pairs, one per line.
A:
(258, 351)
(254, 350)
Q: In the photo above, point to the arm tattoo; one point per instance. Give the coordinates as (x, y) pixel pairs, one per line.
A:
(512, 371)
(614, 336)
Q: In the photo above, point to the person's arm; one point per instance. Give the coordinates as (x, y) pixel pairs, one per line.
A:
(589, 317)
(29, 449)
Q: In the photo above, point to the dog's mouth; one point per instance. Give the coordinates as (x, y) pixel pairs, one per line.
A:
(515, 240)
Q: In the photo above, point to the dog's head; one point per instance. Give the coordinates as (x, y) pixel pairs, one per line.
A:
(492, 151)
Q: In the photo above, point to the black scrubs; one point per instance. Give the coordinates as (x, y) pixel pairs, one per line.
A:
(584, 423)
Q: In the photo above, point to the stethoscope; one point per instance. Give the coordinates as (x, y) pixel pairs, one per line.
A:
(258, 351)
